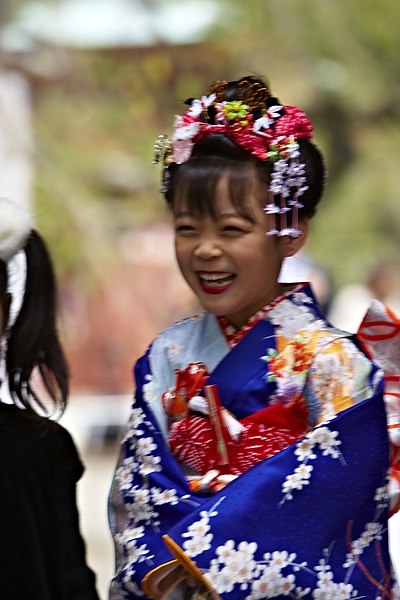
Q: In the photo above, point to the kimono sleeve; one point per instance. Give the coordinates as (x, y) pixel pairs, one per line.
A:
(308, 522)
(149, 495)
(341, 376)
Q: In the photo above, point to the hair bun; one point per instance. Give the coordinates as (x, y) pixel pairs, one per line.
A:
(15, 227)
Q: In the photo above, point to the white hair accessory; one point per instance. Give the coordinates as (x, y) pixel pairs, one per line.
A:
(16, 270)
(15, 226)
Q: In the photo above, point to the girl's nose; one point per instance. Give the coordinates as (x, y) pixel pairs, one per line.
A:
(207, 248)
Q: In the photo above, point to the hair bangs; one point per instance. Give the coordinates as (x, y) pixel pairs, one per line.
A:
(198, 186)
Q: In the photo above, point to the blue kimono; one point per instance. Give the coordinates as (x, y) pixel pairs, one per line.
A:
(309, 522)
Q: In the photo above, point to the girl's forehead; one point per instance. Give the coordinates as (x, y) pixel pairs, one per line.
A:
(221, 203)
(223, 196)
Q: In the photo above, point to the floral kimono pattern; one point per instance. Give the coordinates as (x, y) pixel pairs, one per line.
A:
(308, 522)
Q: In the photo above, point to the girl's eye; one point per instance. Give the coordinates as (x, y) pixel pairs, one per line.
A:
(232, 229)
(185, 229)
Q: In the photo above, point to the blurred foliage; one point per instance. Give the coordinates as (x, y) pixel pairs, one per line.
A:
(95, 129)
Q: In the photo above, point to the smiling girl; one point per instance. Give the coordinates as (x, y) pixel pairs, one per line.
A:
(260, 379)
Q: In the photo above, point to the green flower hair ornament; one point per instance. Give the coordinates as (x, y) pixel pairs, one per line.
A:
(236, 110)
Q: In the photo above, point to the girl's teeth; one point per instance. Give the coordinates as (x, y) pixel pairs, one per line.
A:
(215, 278)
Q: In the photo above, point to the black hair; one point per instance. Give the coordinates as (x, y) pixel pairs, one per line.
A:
(3, 289)
(32, 342)
(3, 279)
(195, 181)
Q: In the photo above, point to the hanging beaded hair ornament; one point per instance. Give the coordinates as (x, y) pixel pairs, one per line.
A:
(259, 125)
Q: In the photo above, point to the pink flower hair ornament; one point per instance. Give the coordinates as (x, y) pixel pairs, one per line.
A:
(272, 137)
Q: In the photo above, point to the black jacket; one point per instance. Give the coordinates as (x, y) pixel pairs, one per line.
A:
(42, 553)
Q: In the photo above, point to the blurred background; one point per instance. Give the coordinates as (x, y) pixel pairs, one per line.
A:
(85, 88)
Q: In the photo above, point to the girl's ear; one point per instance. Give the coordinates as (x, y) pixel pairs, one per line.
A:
(293, 244)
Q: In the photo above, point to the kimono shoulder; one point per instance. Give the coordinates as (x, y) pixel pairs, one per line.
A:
(341, 375)
(195, 339)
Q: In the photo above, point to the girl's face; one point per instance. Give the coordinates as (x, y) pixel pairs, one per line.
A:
(228, 261)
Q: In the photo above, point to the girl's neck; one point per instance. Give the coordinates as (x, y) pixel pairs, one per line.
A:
(240, 321)
(233, 334)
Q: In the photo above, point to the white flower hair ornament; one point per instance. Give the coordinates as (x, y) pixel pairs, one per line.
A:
(15, 227)
(258, 124)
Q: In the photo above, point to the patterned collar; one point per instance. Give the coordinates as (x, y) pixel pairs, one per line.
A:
(233, 336)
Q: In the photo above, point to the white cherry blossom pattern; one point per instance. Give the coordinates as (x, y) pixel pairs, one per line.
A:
(135, 423)
(198, 536)
(321, 437)
(326, 440)
(130, 552)
(139, 506)
(382, 495)
(143, 456)
(275, 575)
(149, 390)
(125, 473)
(373, 530)
(235, 567)
(297, 480)
(130, 584)
(327, 588)
(142, 500)
(164, 496)
(282, 315)
(263, 579)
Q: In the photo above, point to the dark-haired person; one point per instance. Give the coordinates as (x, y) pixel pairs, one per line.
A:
(255, 461)
(42, 553)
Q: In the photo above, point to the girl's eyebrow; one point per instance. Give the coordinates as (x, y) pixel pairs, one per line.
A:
(229, 215)
(183, 214)
(218, 217)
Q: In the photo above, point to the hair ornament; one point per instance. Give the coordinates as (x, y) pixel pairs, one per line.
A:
(200, 107)
(218, 88)
(253, 93)
(269, 133)
(269, 117)
(15, 227)
(287, 173)
(163, 153)
(162, 149)
(294, 122)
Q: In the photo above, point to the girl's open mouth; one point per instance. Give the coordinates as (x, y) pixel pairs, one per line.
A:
(215, 282)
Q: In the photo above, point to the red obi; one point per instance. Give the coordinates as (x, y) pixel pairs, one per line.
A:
(205, 442)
